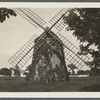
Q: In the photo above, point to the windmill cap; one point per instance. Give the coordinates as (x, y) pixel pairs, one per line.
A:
(47, 29)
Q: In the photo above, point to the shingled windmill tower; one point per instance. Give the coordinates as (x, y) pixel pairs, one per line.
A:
(48, 63)
(49, 51)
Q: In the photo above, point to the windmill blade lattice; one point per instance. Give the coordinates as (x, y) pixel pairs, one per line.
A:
(60, 24)
(71, 52)
(21, 57)
(31, 17)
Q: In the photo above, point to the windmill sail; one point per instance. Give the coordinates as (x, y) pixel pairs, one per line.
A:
(21, 57)
(31, 17)
(60, 24)
(71, 52)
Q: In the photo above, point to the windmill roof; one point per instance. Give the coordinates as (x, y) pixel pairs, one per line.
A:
(50, 35)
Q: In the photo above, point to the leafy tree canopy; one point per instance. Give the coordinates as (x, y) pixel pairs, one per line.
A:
(5, 13)
(85, 23)
(5, 71)
(72, 66)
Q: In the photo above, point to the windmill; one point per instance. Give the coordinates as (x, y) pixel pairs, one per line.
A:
(49, 51)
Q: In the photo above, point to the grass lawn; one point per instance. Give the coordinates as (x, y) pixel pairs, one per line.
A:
(75, 84)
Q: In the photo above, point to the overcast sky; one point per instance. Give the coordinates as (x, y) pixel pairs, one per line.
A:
(16, 31)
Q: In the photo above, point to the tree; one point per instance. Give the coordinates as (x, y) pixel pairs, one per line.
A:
(95, 71)
(81, 72)
(87, 72)
(72, 67)
(17, 71)
(5, 71)
(85, 24)
(5, 13)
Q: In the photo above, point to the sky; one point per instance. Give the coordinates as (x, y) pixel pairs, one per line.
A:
(16, 31)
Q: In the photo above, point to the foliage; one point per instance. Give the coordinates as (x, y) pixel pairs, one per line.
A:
(5, 71)
(5, 13)
(72, 67)
(83, 72)
(95, 71)
(85, 24)
(28, 68)
(17, 71)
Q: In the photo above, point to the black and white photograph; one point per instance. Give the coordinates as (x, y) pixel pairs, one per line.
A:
(49, 49)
